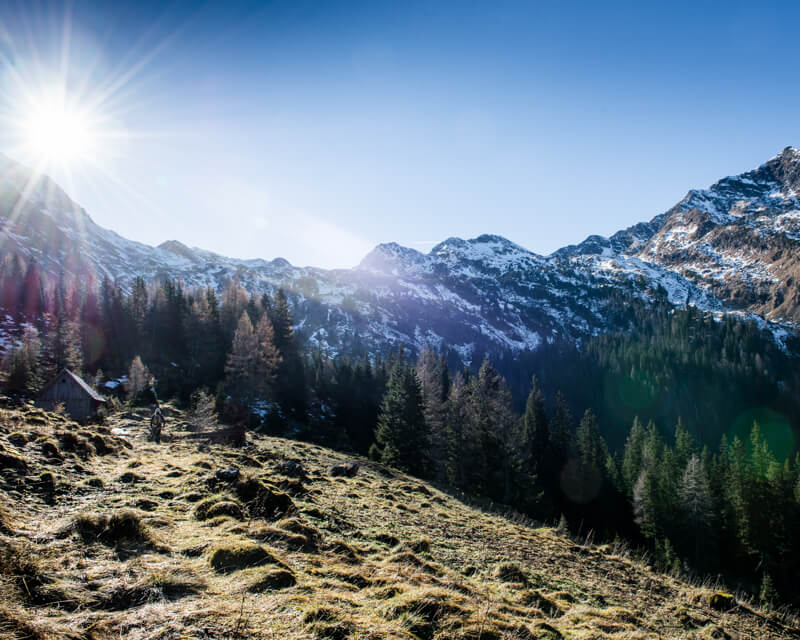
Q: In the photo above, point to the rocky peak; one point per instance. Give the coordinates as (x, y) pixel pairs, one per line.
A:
(787, 169)
(391, 258)
(178, 248)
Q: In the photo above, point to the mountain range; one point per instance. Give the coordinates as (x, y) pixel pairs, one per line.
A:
(733, 248)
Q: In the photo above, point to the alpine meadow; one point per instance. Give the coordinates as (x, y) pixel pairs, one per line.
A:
(457, 438)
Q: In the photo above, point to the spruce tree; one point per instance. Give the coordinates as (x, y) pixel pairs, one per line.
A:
(633, 456)
(401, 434)
(435, 383)
(535, 430)
(290, 389)
(697, 507)
(505, 479)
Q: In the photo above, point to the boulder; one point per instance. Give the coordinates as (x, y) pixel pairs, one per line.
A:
(227, 475)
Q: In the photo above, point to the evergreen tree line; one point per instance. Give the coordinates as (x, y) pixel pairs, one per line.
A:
(731, 512)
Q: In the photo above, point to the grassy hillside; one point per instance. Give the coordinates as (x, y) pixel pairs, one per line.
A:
(110, 536)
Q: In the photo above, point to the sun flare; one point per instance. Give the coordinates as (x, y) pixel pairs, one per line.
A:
(58, 131)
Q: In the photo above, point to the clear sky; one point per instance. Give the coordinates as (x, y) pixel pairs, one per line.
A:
(314, 130)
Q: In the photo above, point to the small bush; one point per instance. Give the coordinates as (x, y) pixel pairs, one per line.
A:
(21, 567)
(226, 559)
(5, 520)
(409, 558)
(424, 611)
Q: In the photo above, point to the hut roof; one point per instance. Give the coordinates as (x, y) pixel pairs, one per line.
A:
(80, 381)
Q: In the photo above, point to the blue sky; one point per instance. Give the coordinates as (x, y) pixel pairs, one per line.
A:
(314, 130)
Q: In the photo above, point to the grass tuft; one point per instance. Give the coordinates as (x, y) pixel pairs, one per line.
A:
(272, 580)
(510, 572)
(122, 526)
(229, 558)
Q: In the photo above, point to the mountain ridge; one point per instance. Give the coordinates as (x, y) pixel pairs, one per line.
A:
(726, 249)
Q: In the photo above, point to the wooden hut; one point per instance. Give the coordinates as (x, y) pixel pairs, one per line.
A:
(67, 388)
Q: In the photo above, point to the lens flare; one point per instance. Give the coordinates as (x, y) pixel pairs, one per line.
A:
(58, 132)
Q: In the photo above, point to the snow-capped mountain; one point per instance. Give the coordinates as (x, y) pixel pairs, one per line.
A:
(730, 248)
(738, 240)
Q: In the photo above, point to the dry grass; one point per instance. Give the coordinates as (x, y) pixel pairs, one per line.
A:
(105, 537)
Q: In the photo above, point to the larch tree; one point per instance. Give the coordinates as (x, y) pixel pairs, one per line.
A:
(138, 379)
(240, 367)
(266, 358)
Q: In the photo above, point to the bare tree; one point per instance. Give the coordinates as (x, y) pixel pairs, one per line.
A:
(138, 379)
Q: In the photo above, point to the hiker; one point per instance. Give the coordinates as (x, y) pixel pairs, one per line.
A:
(156, 423)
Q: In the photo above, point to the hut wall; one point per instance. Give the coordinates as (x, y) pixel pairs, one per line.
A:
(65, 390)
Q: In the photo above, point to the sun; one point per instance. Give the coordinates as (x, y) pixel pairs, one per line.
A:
(59, 132)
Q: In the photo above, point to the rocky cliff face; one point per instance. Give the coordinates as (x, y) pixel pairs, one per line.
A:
(730, 248)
